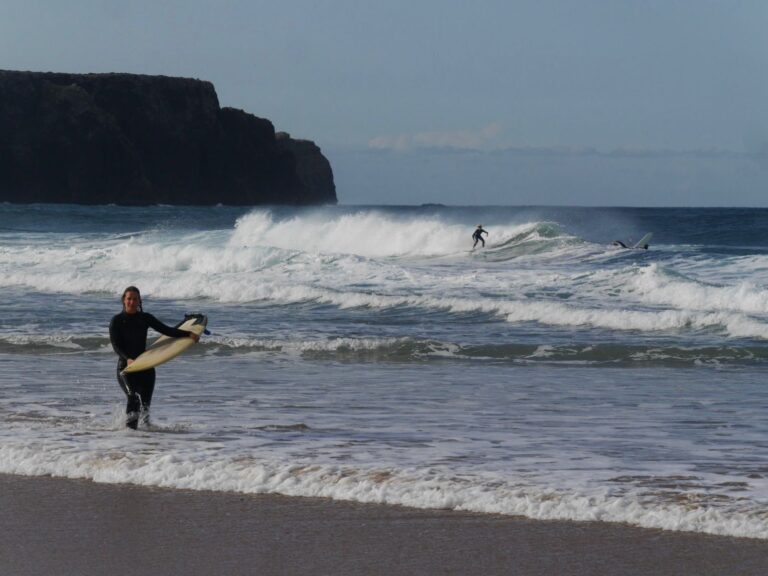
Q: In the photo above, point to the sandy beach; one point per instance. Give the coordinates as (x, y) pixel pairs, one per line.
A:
(57, 527)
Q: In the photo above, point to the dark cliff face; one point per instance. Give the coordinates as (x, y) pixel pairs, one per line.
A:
(130, 139)
(313, 169)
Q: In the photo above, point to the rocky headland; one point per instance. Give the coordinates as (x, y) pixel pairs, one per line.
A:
(136, 140)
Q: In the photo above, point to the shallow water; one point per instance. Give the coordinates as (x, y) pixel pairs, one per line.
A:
(369, 354)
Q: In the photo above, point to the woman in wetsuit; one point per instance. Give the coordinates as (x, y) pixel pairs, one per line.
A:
(128, 334)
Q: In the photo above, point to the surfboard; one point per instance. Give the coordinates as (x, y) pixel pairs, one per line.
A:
(644, 240)
(166, 348)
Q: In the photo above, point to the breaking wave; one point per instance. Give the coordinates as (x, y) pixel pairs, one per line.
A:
(529, 272)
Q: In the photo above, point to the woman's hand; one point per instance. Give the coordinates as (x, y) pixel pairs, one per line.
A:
(130, 361)
(194, 337)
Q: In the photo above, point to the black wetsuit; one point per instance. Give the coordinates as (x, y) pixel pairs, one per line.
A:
(478, 235)
(128, 334)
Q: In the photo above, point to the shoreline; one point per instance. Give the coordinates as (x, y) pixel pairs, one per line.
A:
(63, 526)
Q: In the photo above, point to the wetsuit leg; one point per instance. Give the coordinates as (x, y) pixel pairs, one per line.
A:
(134, 402)
(145, 391)
(138, 388)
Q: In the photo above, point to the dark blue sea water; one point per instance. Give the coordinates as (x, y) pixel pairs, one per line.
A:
(368, 353)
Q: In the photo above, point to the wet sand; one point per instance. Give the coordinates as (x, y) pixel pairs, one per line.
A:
(61, 527)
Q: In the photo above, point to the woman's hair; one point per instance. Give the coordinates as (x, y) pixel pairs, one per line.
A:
(131, 289)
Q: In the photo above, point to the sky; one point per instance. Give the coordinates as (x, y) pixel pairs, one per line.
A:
(566, 102)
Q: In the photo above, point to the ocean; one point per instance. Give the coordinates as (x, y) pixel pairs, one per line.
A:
(369, 354)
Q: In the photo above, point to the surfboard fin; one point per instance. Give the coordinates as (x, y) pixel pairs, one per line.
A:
(643, 242)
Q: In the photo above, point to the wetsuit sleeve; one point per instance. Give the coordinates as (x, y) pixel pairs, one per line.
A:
(116, 340)
(155, 324)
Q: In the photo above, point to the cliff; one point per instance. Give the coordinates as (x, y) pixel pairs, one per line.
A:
(135, 140)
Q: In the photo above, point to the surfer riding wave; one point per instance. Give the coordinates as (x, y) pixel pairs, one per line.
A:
(477, 235)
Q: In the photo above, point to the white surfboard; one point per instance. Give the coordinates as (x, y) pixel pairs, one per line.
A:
(644, 240)
(166, 348)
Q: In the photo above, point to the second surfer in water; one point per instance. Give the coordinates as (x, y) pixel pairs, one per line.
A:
(128, 335)
(620, 244)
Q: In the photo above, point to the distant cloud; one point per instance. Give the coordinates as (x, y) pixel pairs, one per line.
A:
(486, 140)
(483, 139)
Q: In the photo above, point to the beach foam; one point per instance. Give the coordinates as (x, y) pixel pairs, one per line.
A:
(414, 488)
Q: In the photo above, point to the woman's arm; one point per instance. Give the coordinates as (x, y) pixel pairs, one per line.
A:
(114, 338)
(155, 324)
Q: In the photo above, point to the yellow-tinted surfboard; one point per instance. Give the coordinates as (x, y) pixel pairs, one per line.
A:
(166, 348)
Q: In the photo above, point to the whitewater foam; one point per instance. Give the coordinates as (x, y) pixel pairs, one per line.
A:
(655, 286)
(369, 354)
(428, 488)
